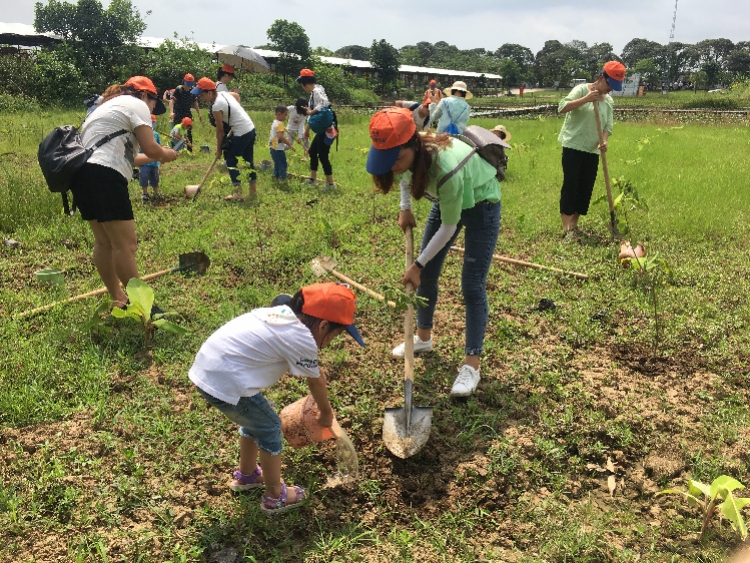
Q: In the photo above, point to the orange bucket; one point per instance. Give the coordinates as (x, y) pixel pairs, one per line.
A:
(299, 423)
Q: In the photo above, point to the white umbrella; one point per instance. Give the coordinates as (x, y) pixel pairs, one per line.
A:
(239, 57)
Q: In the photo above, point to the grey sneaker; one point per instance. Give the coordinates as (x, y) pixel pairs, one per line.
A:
(419, 347)
(311, 181)
(466, 382)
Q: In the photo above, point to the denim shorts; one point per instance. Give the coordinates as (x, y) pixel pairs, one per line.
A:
(257, 419)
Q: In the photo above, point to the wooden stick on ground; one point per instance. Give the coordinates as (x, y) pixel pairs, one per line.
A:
(525, 264)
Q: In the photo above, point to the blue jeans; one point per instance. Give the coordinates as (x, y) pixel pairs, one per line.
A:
(256, 418)
(279, 164)
(482, 223)
(241, 146)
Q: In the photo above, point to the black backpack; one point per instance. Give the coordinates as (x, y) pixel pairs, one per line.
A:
(488, 145)
(62, 154)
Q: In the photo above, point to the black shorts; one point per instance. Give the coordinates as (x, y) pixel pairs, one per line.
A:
(579, 176)
(101, 194)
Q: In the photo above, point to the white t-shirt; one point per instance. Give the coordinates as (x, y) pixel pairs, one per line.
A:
(122, 112)
(252, 352)
(238, 120)
(421, 122)
(296, 123)
(221, 87)
(318, 98)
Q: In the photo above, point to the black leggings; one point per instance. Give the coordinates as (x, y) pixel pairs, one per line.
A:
(579, 176)
(319, 150)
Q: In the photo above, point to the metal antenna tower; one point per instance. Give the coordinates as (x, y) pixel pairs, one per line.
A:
(674, 21)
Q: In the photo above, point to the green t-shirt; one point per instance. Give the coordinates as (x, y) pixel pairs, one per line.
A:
(475, 182)
(579, 129)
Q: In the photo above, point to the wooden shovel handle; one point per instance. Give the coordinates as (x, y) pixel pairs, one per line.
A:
(361, 287)
(409, 317)
(94, 293)
(525, 264)
(603, 155)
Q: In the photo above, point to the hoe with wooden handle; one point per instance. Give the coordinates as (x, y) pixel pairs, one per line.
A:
(189, 263)
(613, 230)
(323, 265)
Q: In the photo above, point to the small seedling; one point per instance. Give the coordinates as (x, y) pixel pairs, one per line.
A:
(716, 495)
(401, 299)
(140, 301)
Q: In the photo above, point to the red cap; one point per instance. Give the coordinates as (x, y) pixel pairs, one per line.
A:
(228, 68)
(391, 127)
(306, 72)
(189, 78)
(153, 118)
(187, 122)
(142, 84)
(332, 302)
(433, 82)
(615, 69)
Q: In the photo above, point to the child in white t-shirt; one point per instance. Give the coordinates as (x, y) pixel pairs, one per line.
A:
(252, 352)
(279, 143)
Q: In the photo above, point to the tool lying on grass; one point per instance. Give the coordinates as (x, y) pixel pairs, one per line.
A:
(529, 264)
(190, 263)
(323, 265)
(612, 226)
(407, 429)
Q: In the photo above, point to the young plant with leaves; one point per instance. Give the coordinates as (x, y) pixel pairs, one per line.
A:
(140, 303)
(717, 495)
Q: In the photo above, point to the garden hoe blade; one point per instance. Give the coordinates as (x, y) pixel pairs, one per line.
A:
(407, 429)
(323, 265)
(194, 263)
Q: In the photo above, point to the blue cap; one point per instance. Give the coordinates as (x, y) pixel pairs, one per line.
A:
(195, 91)
(380, 161)
(354, 333)
(616, 85)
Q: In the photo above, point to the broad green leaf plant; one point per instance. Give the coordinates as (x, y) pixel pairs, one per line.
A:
(716, 495)
(140, 301)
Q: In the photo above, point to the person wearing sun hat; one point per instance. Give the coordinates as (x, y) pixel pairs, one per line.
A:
(452, 113)
(580, 141)
(228, 114)
(465, 194)
(251, 353)
(100, 187)
(181, 104)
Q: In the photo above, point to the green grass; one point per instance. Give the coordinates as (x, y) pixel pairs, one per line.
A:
(110, 455)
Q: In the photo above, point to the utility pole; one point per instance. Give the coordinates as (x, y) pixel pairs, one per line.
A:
(671, 39)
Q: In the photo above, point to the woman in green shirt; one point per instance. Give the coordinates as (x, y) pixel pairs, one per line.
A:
(580, 141)
(470, 198)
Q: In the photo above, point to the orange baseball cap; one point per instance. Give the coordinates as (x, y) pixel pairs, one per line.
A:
(189, 79)
(143, 84)
(306, 73)
(204, 85)
(333, 302)
(432, 83)
(187, 122)
(614, 74)
(228, 68)
(389, 129)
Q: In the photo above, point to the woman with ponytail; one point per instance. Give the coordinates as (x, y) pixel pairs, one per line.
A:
(100, 189)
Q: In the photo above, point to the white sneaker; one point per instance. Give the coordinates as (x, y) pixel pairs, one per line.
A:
(466, 382)
(419, 346)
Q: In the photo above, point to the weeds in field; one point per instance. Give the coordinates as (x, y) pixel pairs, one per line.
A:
(140, 301)
(717, 495)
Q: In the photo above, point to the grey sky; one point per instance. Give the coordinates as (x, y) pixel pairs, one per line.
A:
(467, 24)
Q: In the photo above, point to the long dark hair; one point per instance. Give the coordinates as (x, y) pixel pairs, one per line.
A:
(301, 106)
(296, 304)
(426, 148)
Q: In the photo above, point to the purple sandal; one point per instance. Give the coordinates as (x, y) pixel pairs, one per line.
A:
(275, 505)
(244, 482)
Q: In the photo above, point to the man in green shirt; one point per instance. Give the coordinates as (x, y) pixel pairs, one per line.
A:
(580, 141)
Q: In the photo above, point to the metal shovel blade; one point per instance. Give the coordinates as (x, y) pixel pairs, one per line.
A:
(323, 265)
(406, 429)
(194, 263)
